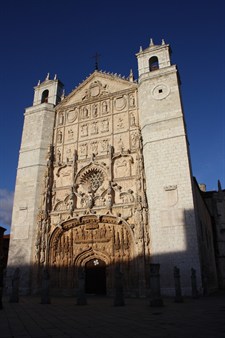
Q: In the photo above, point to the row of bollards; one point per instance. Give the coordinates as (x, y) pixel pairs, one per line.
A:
(155, 295)
(155, 292)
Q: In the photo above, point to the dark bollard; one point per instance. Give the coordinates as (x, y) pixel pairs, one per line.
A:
(155, 292)
(119, 296)
(14, 298)
(195, 294)
(178, 294)
(45, 287)
(81, 296)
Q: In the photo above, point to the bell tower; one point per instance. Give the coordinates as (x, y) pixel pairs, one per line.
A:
(167, 167)
(36, 138)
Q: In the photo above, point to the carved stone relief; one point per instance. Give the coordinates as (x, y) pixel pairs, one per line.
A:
(60, 118)
(120, 122)
(95, 89)
(134, 140)
(70, 134)
(170, 195)
(132, 101)
(120, 102)
(94, 127)
(132, 120)
(68, 154)
(90, 186)
(95, 110)
(59, 136)
(103, 240)
(58, 155)
(63, 176)
(84, 130)
(85, 113)
(105, 125)
(122, 167)
(83, 149)
(72, 115)
(105, 107)
(104, 144)
(94, 147)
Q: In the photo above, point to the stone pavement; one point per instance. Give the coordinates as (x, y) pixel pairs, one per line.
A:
(201, 318)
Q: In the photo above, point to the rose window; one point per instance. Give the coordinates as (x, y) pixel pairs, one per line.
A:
(92, 179)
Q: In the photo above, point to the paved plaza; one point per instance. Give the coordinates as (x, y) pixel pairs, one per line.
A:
(200, 318)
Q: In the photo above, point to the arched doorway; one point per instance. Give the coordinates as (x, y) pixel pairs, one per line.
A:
(95, 277)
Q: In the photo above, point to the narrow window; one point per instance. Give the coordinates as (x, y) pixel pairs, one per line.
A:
(153, 63)
(44, 97)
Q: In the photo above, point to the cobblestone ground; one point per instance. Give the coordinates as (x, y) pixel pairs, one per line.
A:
(200, 318)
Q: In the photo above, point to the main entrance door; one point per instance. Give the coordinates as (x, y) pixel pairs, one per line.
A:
(95, 277)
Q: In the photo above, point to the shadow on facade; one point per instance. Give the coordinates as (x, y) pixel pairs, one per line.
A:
(76, 249)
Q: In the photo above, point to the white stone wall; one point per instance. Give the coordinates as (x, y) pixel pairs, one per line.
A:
(173, 233)
(37, 136)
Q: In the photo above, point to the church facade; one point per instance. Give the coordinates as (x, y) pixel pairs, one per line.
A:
(104, 180)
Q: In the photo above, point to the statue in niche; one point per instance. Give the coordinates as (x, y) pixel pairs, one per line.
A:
(58, 156)
(122, 167)
(121, 145)
(134, 140)
(104, 107)
(69, 156)
(70, 203)
(70, 134)
(100, 201)
(109, 196)
(94, 128)
(94, 147)
(105, 125)
(104, 144)
(138, 216)
(120, 123)
(85, 113)
(95, 110)
(132, 101)
(84, 130)
(59, 137)
(89, 200)
(132, 120)
(60, 118)
(83, 149)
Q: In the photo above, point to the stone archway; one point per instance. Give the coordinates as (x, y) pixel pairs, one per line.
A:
(95, 277)
(78, 242)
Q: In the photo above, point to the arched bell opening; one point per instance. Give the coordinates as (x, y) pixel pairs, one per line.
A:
(44, 97)
(153, 63)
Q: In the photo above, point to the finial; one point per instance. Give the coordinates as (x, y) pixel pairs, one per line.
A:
(151, 42)
(140, 50)
(219, 186)
(39, 82)
(55, 77)
(163, 42)
(96, 57)
(47, 77)
(131, 76)
(63, 94)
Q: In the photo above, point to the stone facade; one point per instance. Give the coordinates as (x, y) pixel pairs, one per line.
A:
(215, 201)
(104, 180)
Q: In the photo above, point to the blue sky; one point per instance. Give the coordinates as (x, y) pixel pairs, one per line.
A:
(44, 36)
